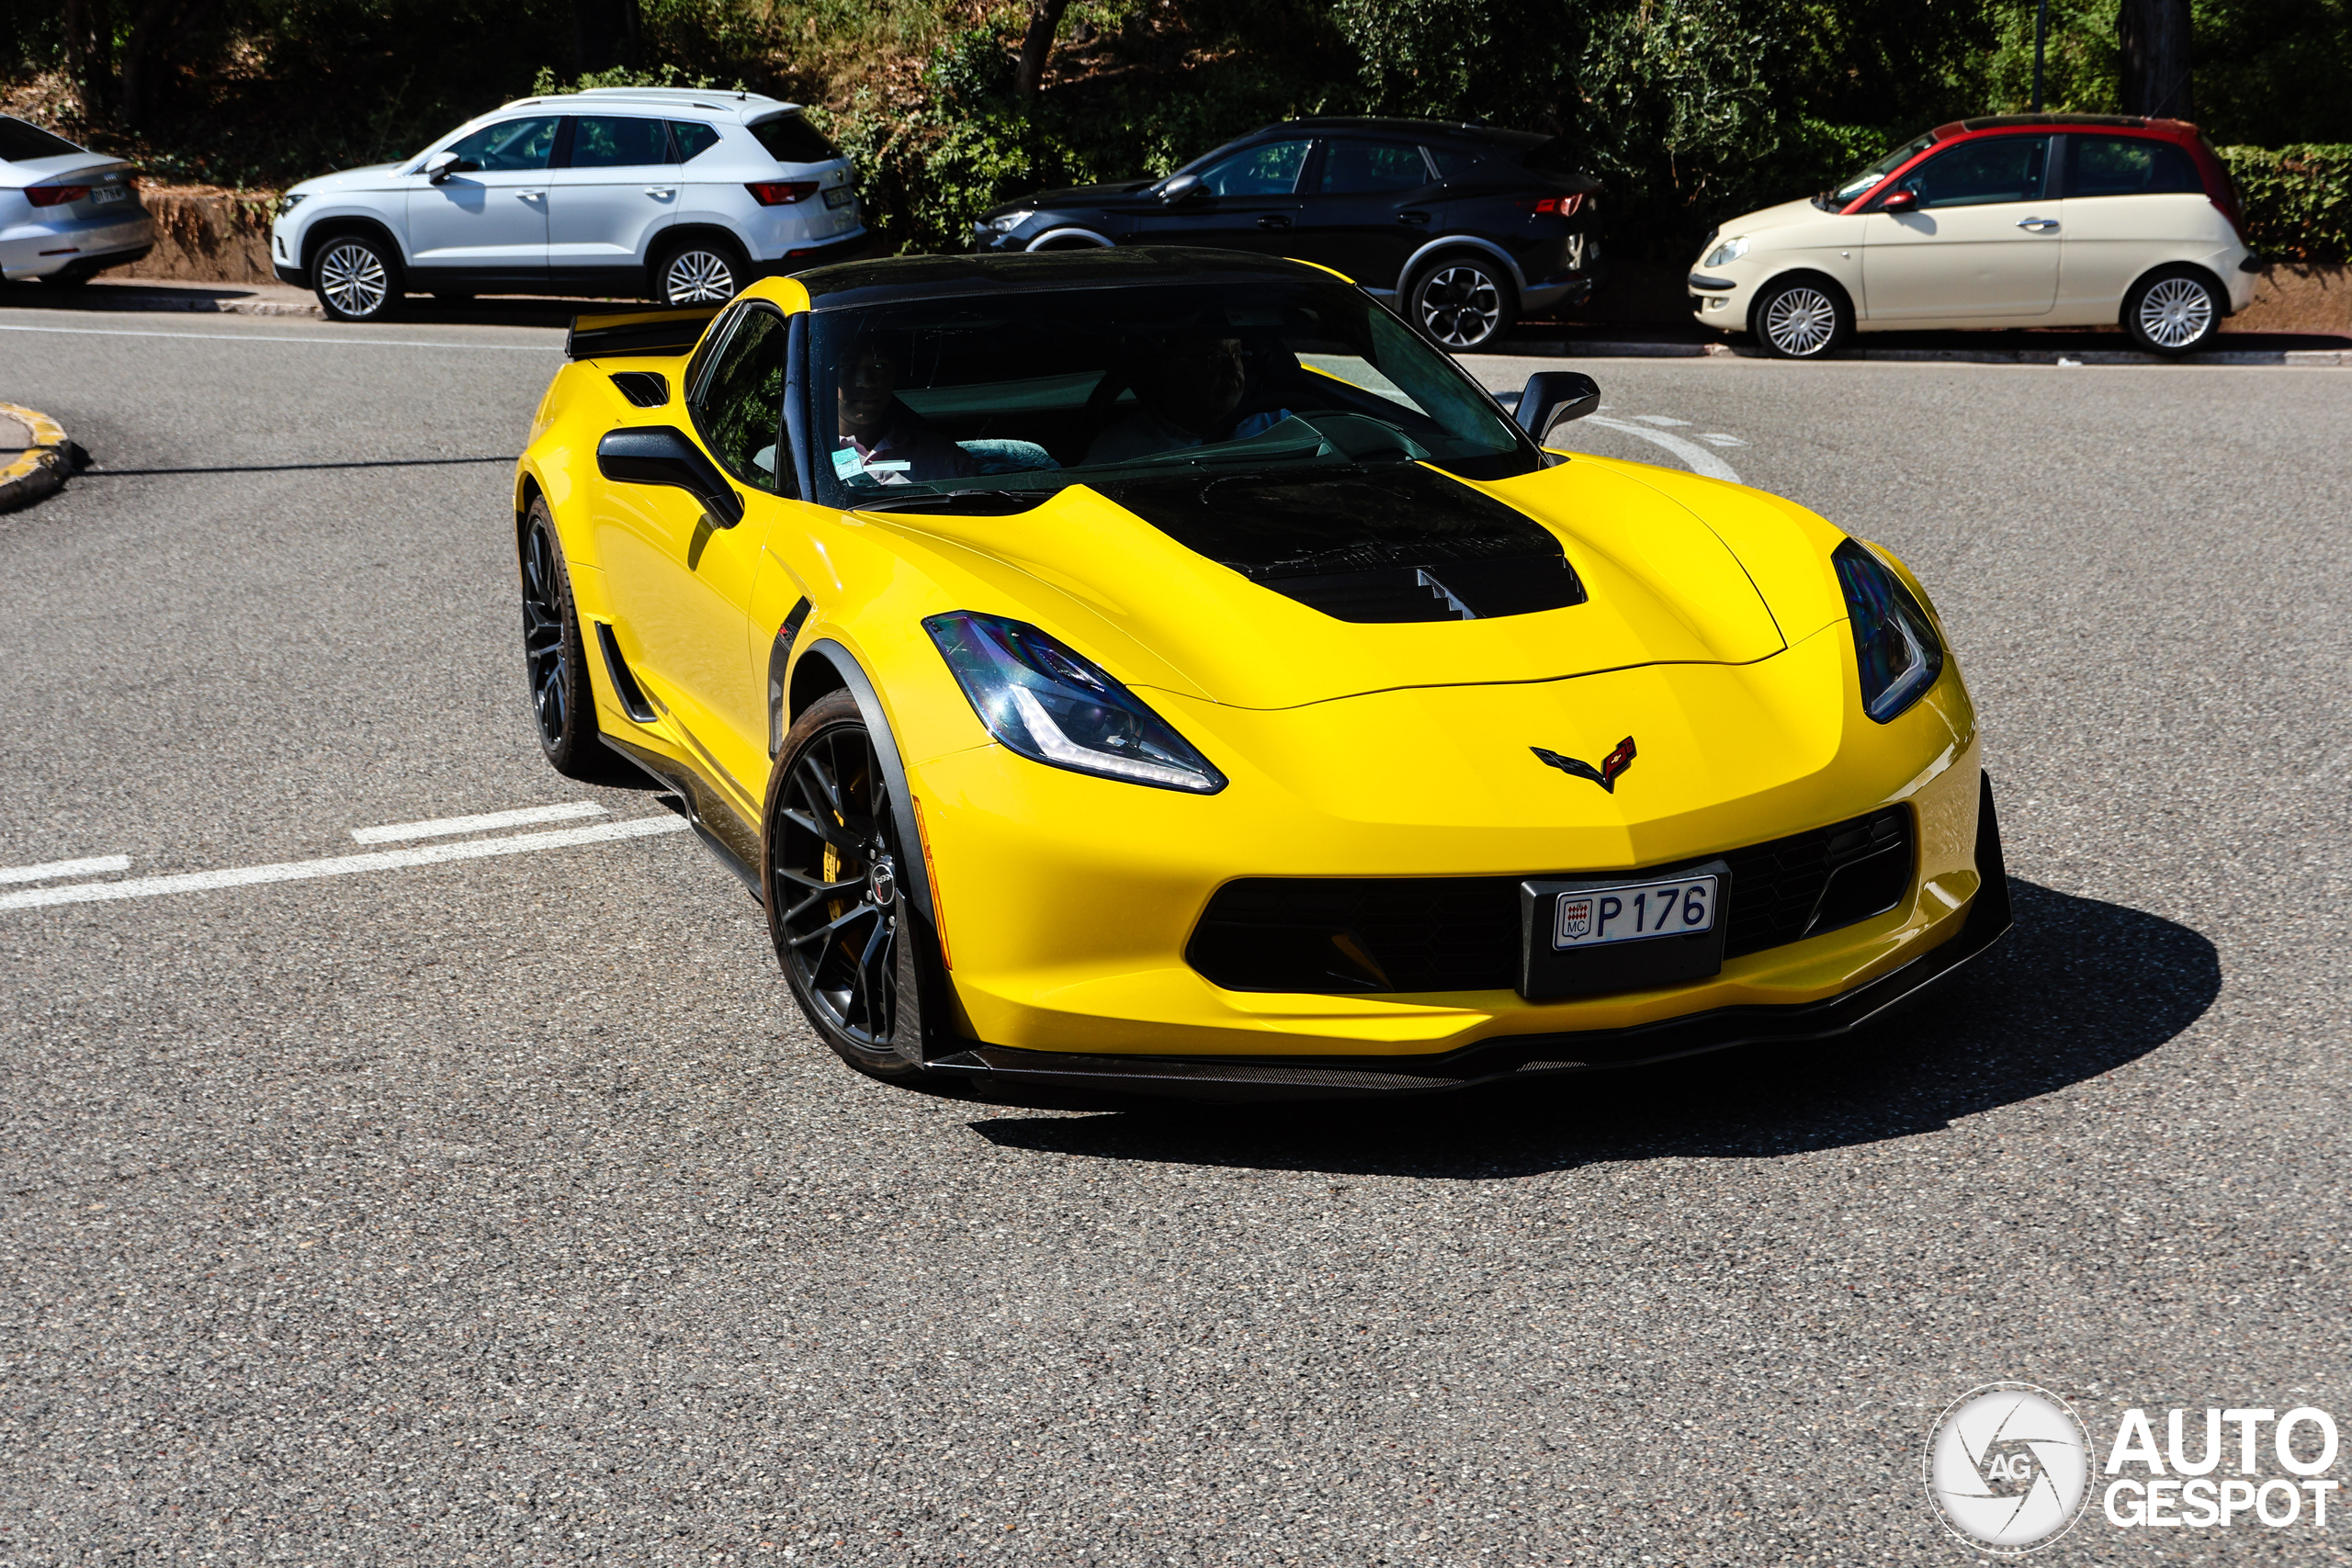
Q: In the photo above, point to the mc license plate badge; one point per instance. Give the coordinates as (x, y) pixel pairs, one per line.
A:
(109, 193)
(1586, 936)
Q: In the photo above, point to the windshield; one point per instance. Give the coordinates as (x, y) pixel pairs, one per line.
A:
(1024, 394)
(1839, 195)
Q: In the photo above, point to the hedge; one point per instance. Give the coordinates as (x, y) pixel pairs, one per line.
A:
(2297, 200)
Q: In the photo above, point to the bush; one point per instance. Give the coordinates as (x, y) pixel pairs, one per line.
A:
(2297, 200)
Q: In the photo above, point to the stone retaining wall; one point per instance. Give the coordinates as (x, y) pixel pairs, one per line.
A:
(206, 234)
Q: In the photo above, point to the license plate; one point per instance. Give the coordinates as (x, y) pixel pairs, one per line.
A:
(109, 193)
(1685, 906)
(840, 196)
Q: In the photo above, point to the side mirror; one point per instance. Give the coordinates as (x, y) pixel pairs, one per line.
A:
(1900, 201)
(661, 455)
(1554, 396)
(1181, 187)
(441, 165)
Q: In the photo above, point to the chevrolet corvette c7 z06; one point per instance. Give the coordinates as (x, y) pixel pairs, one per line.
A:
(1163, 668)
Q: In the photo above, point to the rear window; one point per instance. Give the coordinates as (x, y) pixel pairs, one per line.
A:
(19, 142)
(1554, 157)
(1451, 161)
(2130, 165)
(792, 140)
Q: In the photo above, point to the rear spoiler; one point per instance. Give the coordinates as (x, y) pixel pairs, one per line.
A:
(653, 334)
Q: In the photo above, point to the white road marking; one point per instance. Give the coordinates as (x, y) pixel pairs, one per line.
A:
(330, 338)
(1717, 438)
(340, 865)
(1695, 458)
(48, 869)
(445, 826)
(1659, 419)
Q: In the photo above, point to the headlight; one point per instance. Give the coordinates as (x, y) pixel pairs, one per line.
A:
(289, 201)
(1005, 222)
(1731, 250)
(1894, 643)
(1054, 706)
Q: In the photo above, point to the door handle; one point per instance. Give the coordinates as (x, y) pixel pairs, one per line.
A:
(1412, 217)
(528, 195)
(2038, 225)
(659, 193)
(1273, 221)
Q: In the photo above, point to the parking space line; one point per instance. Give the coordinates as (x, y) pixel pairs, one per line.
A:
(48, 869)
(330, 338)
(340, 865)
(443, 827)
(1695, 458)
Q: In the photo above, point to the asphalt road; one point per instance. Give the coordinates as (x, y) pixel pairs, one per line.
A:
(504, 1212)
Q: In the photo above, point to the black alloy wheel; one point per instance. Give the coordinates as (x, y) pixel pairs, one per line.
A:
(355, 277)
(1461, 303)
(837, 907)
(555, 658)
(699, 272)
(1802, 318)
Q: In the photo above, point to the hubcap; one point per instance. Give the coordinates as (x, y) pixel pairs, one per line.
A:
(2176, 312)
(699, 278)
(834, 884)
(1461, 306)
(543, 652)
(1800, 322)
(352, 276)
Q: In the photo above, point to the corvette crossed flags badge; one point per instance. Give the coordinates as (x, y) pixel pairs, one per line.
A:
(1605, 776)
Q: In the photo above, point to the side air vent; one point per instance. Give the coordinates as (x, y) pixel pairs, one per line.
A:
(624, 684)
(646, 388)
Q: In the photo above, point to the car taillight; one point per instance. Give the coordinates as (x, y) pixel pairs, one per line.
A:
(1566, 206)
(780, 193)
(55, 196)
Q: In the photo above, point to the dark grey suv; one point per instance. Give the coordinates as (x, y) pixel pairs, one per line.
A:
(1462, 228)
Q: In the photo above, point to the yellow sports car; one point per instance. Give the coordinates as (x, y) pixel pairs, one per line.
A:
(1160, 669)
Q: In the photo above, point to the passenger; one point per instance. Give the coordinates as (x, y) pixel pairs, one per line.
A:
(882, 439)
(1185, 398)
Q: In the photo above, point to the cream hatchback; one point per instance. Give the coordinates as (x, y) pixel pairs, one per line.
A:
(2018, 221)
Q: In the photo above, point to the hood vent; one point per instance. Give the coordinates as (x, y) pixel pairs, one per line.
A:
(1403, 543)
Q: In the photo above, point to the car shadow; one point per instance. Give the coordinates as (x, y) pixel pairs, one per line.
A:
(2079, 988)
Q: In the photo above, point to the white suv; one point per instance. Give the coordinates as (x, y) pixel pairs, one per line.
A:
(679, 195)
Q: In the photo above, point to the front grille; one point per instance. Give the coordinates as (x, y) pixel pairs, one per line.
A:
(1462, 933)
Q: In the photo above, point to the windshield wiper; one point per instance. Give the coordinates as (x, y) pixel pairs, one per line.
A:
(1025, 498)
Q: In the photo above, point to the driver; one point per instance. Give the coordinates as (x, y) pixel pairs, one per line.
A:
(1185, 397)
(882, 440)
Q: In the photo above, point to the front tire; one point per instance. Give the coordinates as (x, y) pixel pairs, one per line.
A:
(1802, 318)
(837, 912)
(2174, 310)
(700, 272)
(1461, 304)
(555, 657)
(357, 278)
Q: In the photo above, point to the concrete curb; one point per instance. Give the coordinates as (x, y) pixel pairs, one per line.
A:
(41, 466)
(2292, 356)
(221, 307)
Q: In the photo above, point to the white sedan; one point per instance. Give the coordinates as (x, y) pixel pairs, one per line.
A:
(2016, 220)
(66, 213)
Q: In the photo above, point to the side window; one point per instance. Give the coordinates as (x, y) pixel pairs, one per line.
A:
(1452, 162)
(739, 407)
(2130, 166)
(692, 140)
(604, 142)
(509, 144)
(1270, 170)
(1975, 173)
(1350, 167)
